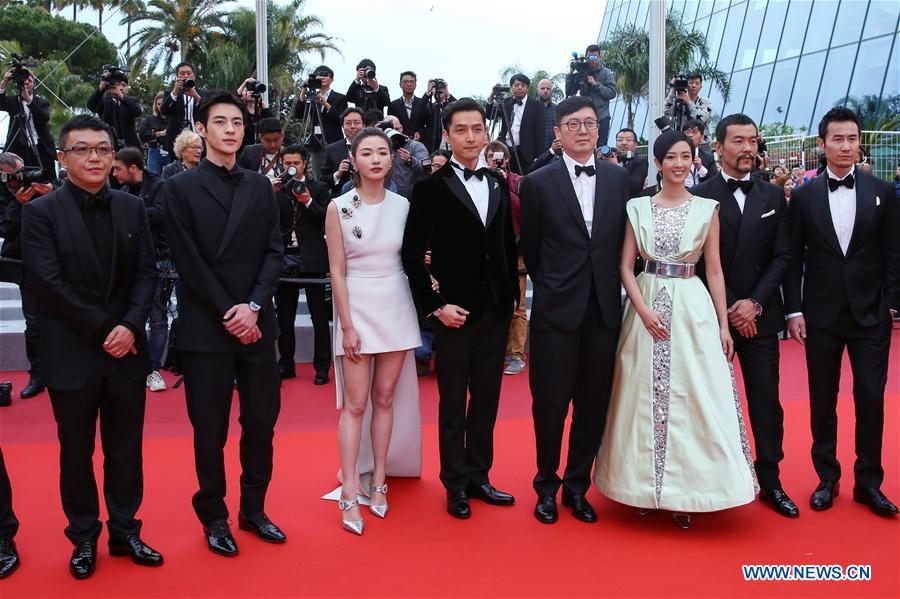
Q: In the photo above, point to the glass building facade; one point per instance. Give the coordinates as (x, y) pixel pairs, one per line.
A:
(788, 61)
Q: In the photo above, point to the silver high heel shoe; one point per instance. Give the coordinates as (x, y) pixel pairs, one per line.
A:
(379, 510)
(354, 526)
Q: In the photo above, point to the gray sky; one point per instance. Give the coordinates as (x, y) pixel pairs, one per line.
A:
(418, 34)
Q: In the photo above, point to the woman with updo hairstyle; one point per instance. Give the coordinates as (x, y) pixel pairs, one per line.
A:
(675, 438)
(188, 149)
(375, 331)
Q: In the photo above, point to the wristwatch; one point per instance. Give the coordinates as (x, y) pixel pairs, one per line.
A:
(254, 307)
(758, 306)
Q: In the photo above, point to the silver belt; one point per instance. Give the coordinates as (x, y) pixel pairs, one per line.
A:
(670, 270)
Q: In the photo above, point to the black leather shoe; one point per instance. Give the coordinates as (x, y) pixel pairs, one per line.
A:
(287, 373)
(823, 497)
(9, 557)
(581, 508)
(458, 505)
(321, 378)
(84, 560)
(489, 494)
(219, 539)
(132, 545)
(263, 527)
(780, 501)
(875, 499)
(545, 511)
(31, 389)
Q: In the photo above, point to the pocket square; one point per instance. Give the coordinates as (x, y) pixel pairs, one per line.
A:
(768, 214)
(877, 201)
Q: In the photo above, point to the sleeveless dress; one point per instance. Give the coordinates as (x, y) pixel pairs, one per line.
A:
(384, 317)
(675, 437)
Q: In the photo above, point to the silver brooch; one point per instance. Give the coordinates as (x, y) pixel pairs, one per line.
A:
(356, 202)
(357, 232)
(496, 185)
(346, 213)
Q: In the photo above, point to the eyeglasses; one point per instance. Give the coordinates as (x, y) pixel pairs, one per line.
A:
(85, 151)
(589, 124)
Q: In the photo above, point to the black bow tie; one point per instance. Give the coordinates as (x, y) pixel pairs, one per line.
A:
(517, 102)
(847, 182)
(235, 175)
(100, 201)
(746, 185)
(590, 171)
(469, 173)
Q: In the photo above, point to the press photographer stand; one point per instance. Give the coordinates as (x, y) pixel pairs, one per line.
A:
(500, 117)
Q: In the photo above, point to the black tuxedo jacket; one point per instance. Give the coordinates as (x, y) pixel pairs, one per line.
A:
(476, 265)
(821, 280)
(334, 154)
(637, 169)
(411, 124)
(17, 142)
(224, 257)
(76, 310)
(709, 161)
(308, 225)
(174, 111)
(562, 260)
(250, 157)
(120, 115)
(331, 119)
(531, 132)
(755, 248)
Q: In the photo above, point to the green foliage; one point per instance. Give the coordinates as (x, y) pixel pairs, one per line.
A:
(779, 128)
(558, 80)
(883, 115)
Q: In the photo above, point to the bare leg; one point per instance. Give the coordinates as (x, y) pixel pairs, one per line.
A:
(356, 395)
(387, 371)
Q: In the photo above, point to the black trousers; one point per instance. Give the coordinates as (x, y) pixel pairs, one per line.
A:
(119, 401)
(570, 366)
(9, 525)
(868, 348)
(759, 357)
(30, 311)
(286, 299)
(209, 386)
(469, 366)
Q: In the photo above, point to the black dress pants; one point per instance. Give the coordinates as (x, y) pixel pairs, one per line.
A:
(759, 357)
(9, 525)
(570, 366)
(286, 299)
(119, 401)
(469, 366)
(868, 348)
(30, 312)
(209, 387)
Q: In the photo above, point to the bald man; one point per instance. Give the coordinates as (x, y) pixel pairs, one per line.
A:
(545, 96)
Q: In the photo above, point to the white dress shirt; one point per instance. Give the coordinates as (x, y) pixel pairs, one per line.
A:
(842, 202)
(188, 108)
(738, 193)
(516, 125)
(408, 105)
(478, 188)
(585, 187)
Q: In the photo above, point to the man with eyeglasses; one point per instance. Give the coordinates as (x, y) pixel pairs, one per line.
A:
(599, 84)
(572, 226)
(89, 259)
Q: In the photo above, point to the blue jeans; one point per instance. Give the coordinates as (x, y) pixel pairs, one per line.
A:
(156, 161)
(158, 337)
(602, 131)
(423, 352)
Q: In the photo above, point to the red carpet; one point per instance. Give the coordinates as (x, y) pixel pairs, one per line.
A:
(419, 550)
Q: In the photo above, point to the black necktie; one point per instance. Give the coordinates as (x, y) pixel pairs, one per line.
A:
(746, 185)
(517, 102)
(590, 171)
(100, 201)
(469, 173)
(235, 175)
(847, 182)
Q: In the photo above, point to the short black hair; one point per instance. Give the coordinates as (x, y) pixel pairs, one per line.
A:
(410, 73)
(131, 157)
(84, 121)
(692, 124)
(214, 98)
(372, 117)
(520, 77)
(365, 62)
(666, 140)
(728, 121)
(442, 152)
(461, 105)
(296, 149)
(627, 130)
(323, 70)
(571, 105)
(353, 110)
(184, 64)
(269, 124)
(694, 75)
(592, 48)
(837, 114)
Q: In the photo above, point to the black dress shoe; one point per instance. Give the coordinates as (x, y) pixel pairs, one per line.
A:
(287, 373)
(458, 505)
(132, 545)
(321, 378)
(263, 527)
(823, 497)
(875, 499)
(545, 510)
(780, 501)
(31, 389)
(84, 559)
(9, 557)
(219, 539)
(489, 494)
(581, 508)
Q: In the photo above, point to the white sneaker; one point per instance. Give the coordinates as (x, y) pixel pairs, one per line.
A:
(155, 382)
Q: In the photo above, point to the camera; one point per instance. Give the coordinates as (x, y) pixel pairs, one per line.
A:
(290, 182)
(581, 68)
(662, 123)
(23, 177)
(112, 74)
(426, 165)
(256, 88)
(606, 151)
(439, 84)
(20, 70)
(398, 140)
(680, 84)
(189, 83)
(313, 83)
(370, 72)
(498, 158)
(500, 92)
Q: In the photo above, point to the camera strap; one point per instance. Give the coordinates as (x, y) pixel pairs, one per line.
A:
(265, 167)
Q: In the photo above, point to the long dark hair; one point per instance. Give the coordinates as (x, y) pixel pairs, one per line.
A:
(358, 138)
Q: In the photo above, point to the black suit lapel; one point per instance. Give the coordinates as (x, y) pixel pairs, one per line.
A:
(242, 198)
(754, 204)
(599, 204)
(493, 199)
(821, 211)
(83, 246)
(460, 191)
(728, 206)
(567, 191)
(865, 210)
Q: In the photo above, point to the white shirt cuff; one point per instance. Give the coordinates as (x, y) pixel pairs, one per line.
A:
(793, 315)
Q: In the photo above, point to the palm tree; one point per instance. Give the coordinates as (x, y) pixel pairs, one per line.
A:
(558, 80)
(179, 29)
(131, 9)
(875, 115)
(75, 4)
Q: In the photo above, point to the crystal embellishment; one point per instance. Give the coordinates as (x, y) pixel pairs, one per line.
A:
(668, 223)
(356, 202)
(346, 213)
(661, 375)
(357, 232)
(745, 442)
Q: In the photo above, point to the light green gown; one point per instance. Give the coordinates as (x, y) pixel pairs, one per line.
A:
(675, 436)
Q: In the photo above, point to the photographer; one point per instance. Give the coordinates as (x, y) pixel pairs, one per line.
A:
(522, 128)
(625, 156)
(365, 92)
(704, 166)
(179, 104)
(684, 102)
(436, 98)
(329, 105)
(302, 202)
(412, 111)
(29, 123)
(408, 156)
(18, 188)
(337, 168)
(250, 92)
(117, 109)
(153, 133)
(265, 157)
(589, 78)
